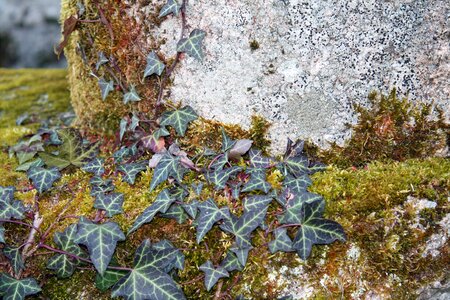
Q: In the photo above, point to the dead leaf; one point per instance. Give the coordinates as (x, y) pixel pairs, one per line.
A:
(69, 26)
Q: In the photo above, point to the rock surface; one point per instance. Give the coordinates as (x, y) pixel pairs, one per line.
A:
(314, 59)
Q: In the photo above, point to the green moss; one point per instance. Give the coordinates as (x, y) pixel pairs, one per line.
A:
(254, 45)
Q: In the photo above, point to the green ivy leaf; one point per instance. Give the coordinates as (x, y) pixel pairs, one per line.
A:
(111, 203)
(241, 254)
(297, 166)
(71, 152)
(122, 127)
(212, 275)
(179, 119)
(227, 142)
(193, 44)
(257, 160)
(154, 65)
(220, 177)
(257, 202)
(161, 204)
(191, 208)
(245, 225)
(43, 179)
(177, 213)
(30, 164)
(282, 241)
(63, 264)
(231, 263)
(178, 260)
(257, 181)
(219, 162)
(7, 193)
(10, 208)
(297, 185)
(131, 95)
(109, 278)
(171, 7)
(315, 230)
(95, 166)
(15, 257)
(17, 289)
(102, 59)
(167, 166)
(147, 280)
(209, 215)
(100, 239)
(197, 188)
(131, 170)
(294, 207)
(105, 87)
(2, 234)
(100, 186)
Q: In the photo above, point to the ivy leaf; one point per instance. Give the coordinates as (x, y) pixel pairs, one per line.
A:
(212, 275)
(282, 241)
(193, 44)
(227, 143)
(131, 95)
(178, 260)
(220, 177)
(65, 265)
(315, 230)
(231, 263)
(131, 170)
(95, 166)
(100, 186)
(111, 203)
(2, 234)
(161, 204)
(297, 166)
(31, 164)
(105, 87)
(257, 160)
(100, 239)
(191, 208)
(219, 161)
(72, 151)
(209, 214)
(10, 208)
(7, 193)
(171, 7)
(241, 254)
(257, 182)
(256, 202)
(122, 128)
(109, 278)
(179, 119)
(102, 59)
(167, 166)
(294, 207)
(245, 225)
(154, 65)
(43, 179)
(316, 167)
(176, 212)
(15, 257)
(147, 280)
(297, 185)
(240, 148)
(17, 289)
(197, 188)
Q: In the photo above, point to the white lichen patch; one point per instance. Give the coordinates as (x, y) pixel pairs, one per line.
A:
(439, 239)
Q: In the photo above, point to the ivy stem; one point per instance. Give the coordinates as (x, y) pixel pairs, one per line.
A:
(285, 226)
(21, 223)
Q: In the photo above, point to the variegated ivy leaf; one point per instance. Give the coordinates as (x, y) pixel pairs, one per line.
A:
(111, 203)
(316, 167)
(73, 151)
(220, 177)
(197, 188)
(100, 186)
(241, 254)
(124, 152)
(294, 207)
(2, 234)
(30, 164)
(131, 170)
(179, 119)
(15, 257)
(257, 181)
(193, 44)
(10, 208)
(282, 241)
(95, 166)
(102, 59)
(101, 241)
(171, 7)
(131, 95)
(147, 280)
(212, 275)
(178, 261)
(7, 193)
(240, 148)
(43, 179)
(296, 166)
(109, 278)
(227, 142)
(297, 185)
(209, 215)
(191, 208)
(231, 263)
(65, 265)
(177, 213)
(315, 230)
(257, 160)
(17, 289)
(219, 162)
(122, 127)
(105, 87)
(161, 204)
(154, 65)
(167, 166)
(257, 202)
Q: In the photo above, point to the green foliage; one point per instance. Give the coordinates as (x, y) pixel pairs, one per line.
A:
(212, 275)
(193, 44)
(131, 95)
(105, 87)
(9, 207)
(42, 178)
(111, 203)
(17, 289)
(171, 7)
(15, 257)
(154, 65)
(179, 119)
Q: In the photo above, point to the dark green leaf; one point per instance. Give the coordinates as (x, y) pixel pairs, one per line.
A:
(154, 65)
(95, 166)
(220, 177)
(102, 59)
(193, 44)
(179, 119)
(131, 95)
(245, 225)
(241, 254)
(209, 214)
(100, 239)
(219, 162)
(171, 7)
(23, 156)
(122, 128)
(161, 204)
(30, 164)
(7, 193)
(197, 188)
(256, 202)
(176, 212)
(105, 87)
(257, 181)
(111, 203)
(191, 208)
(2, 234)
(43, 179)
(231, 263)
(167, 166)
(131, 170)
(147, 280)
(294, 207)
(297, 166)
(17, 289)
(178, 260)
(212, 275)
(15, 257)
(227, 143)
(109, 278)
(282, 241)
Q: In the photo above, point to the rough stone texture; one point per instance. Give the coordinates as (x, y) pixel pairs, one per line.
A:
(315, 58)
(28, 31)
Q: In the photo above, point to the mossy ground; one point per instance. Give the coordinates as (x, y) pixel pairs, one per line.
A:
(369, 202)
